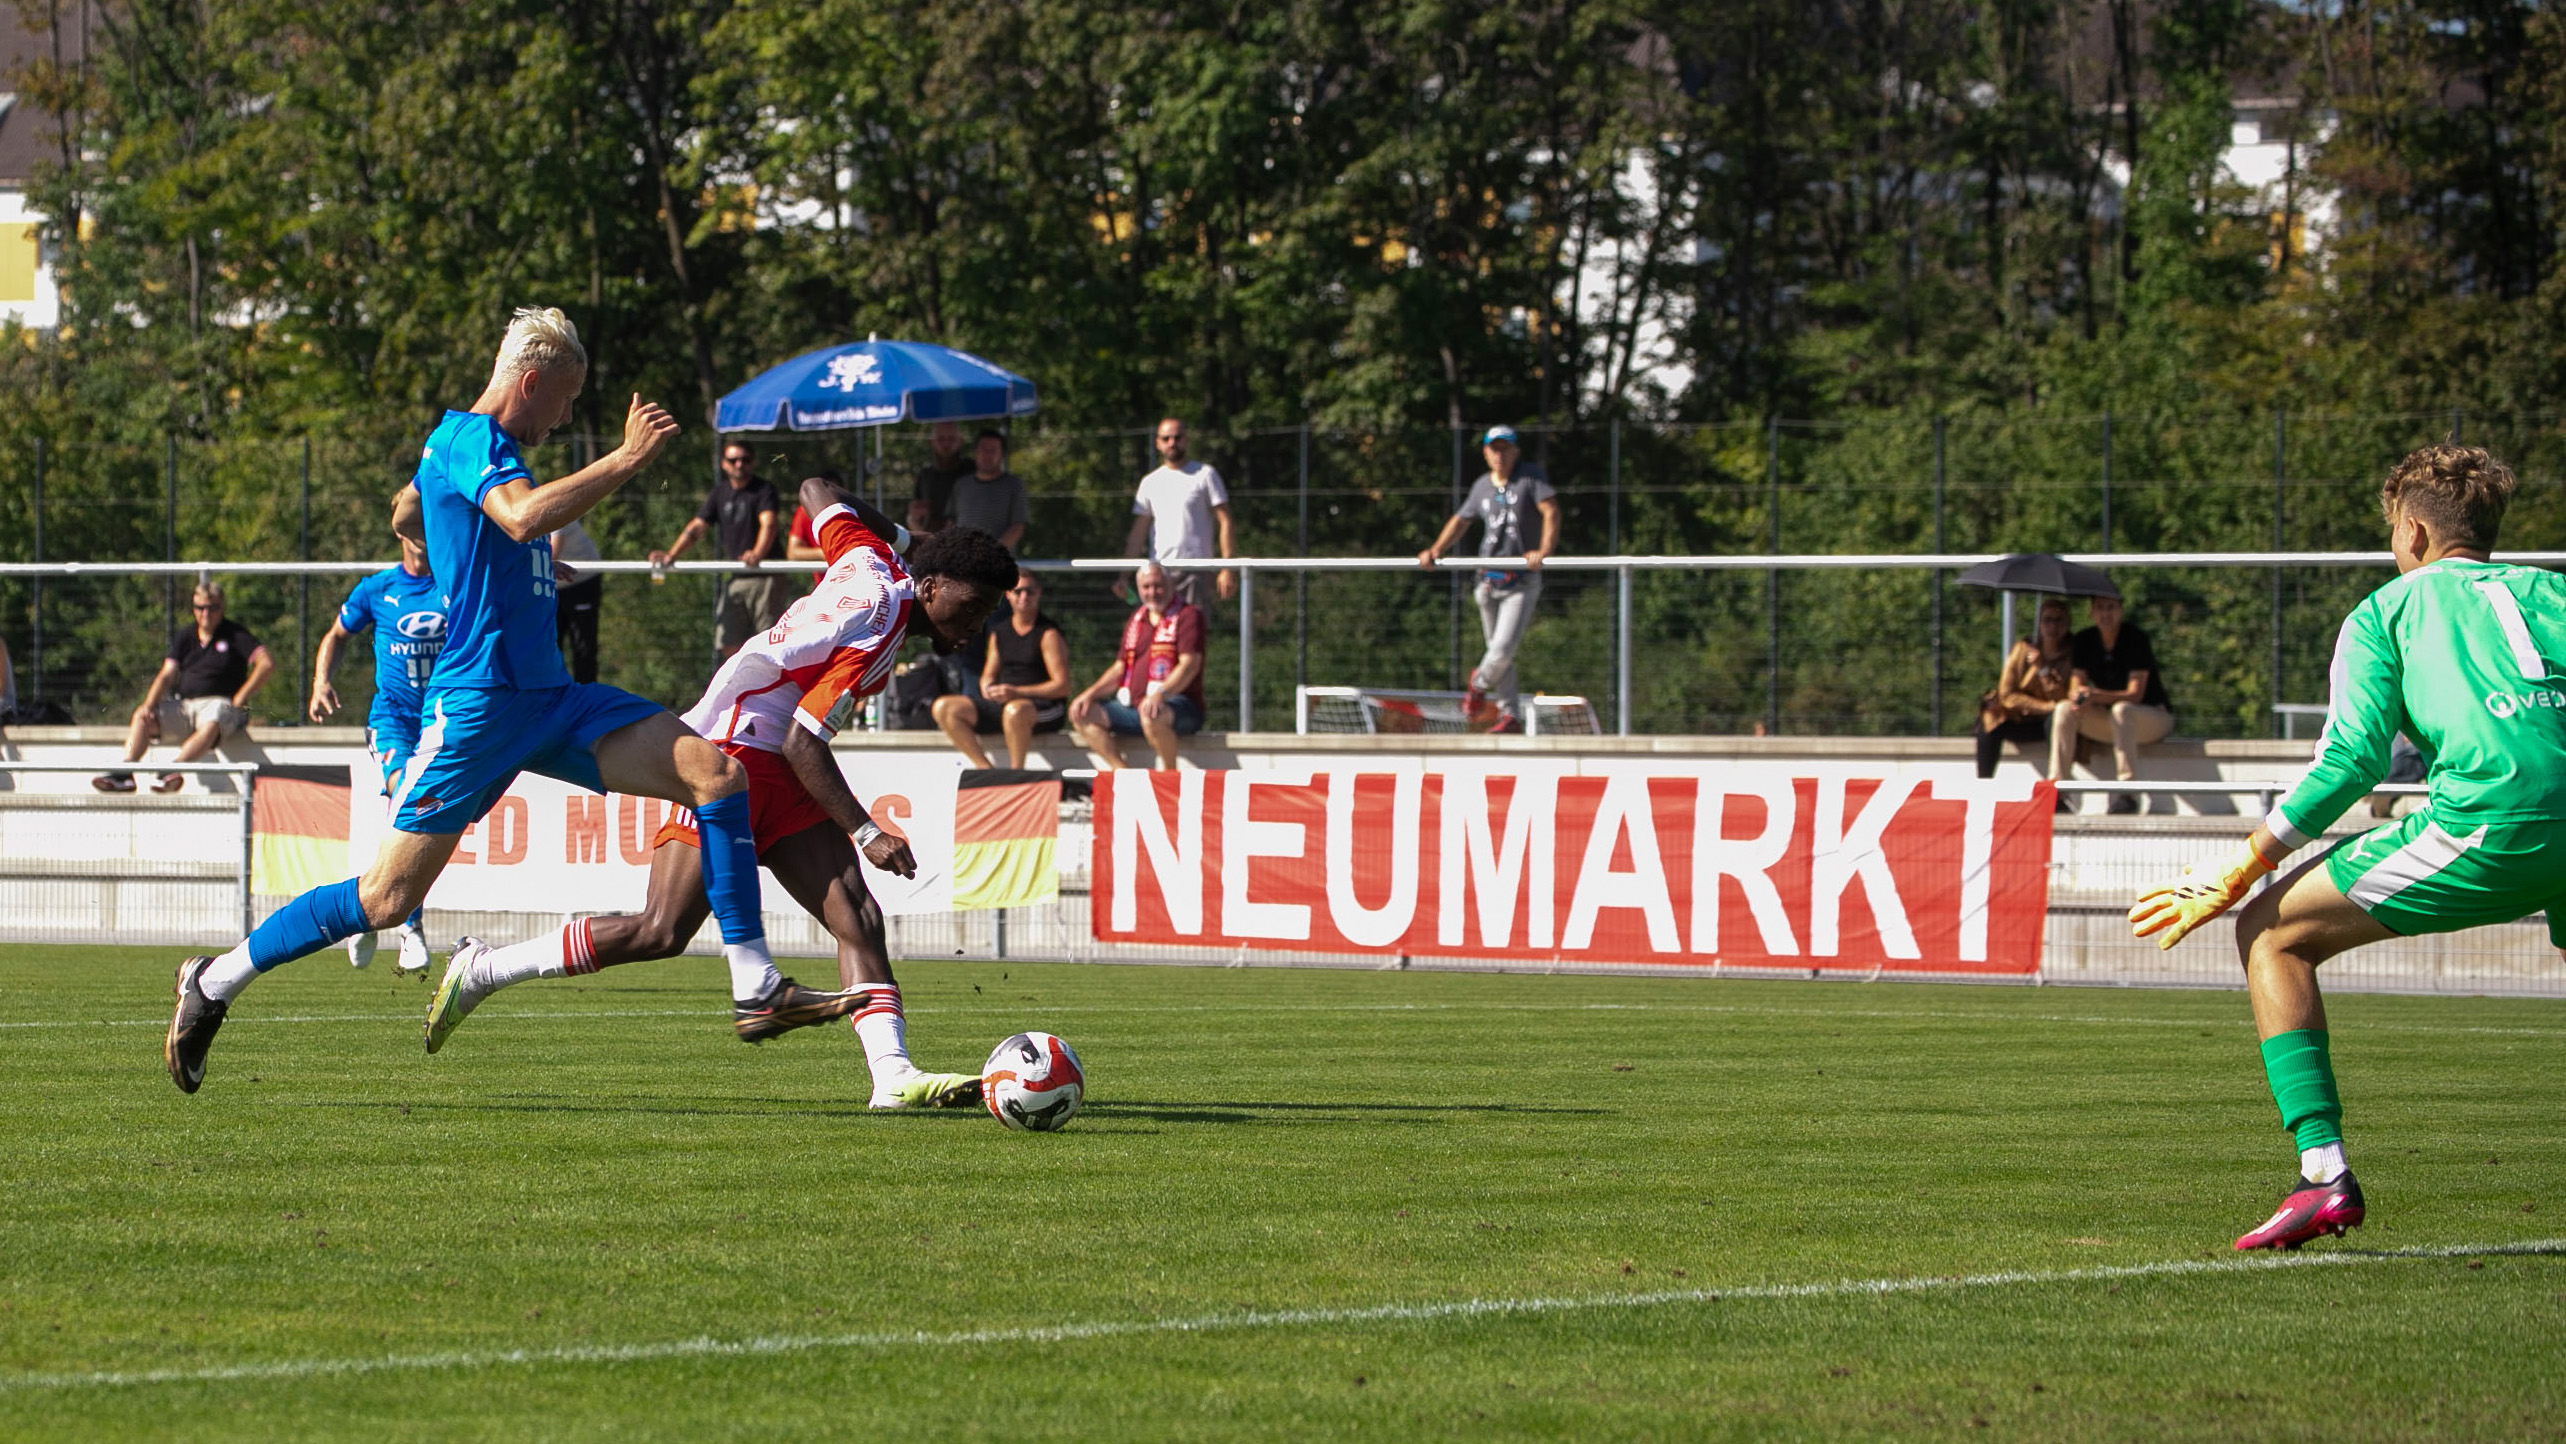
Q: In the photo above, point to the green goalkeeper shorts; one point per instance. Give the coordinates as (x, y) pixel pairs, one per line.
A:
(2422, 875)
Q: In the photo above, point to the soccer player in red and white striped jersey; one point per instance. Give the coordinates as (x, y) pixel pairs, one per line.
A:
(771, 706)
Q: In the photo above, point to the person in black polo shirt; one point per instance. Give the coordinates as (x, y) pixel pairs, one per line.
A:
(201, 692)
(2116, 695)
(740, 511)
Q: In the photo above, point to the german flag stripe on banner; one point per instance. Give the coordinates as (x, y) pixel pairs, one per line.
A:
(299, 833)
(1006, 837)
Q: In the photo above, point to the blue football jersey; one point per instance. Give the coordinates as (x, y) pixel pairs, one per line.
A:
(407, 616)
(498, 592)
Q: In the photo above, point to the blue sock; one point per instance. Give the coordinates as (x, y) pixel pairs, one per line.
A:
(416, 914)
(730, 868)
(325, 915)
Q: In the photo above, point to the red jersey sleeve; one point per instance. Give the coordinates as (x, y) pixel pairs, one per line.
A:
(839, 676)
(802, 532)
(856, 667)
(839, 533)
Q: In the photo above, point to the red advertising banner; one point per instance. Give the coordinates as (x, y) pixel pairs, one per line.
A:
(1924, 868)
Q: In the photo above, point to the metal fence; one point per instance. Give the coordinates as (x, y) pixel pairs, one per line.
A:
(1790, 650)
(1617, 607)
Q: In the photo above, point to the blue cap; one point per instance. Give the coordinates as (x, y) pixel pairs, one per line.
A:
(1497, 434)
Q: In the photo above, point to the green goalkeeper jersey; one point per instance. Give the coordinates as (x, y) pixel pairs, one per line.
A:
(2469, 660)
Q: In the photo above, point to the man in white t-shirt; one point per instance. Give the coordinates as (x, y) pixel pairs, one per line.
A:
(1181, 511)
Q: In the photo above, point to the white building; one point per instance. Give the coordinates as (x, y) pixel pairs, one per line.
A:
(28, 138)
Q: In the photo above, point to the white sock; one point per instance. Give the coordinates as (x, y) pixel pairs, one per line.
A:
(884, 1033)
(224, 978)
(539, 957)
(2323, 1163)
(753, 974)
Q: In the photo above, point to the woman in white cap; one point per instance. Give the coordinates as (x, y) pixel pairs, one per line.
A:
(1506, 501)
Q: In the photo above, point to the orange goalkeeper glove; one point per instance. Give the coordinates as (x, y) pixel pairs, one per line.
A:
(2205, 890)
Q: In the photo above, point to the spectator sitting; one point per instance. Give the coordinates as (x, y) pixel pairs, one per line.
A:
(1023, 684)
(989, 496)
(931, 501)
(1181, 512)
(201, 692)
(1154, 687)
(2118, 696)
(740, 510)
(2037, 677)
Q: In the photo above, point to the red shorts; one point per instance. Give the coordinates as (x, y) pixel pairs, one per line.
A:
(778, 804)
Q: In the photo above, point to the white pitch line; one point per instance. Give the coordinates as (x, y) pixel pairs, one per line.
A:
(1239, 1320)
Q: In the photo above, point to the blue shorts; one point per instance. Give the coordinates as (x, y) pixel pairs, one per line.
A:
(473, 741)
(391, 744)
(1125, 720)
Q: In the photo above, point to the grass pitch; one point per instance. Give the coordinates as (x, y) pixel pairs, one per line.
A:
(1299, 1204)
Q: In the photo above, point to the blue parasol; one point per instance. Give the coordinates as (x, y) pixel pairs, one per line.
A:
(875, 383)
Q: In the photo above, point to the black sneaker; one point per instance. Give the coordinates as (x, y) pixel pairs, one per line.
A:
(192, 1026)
(789, 1005)
(2123, 803)
(113, 782)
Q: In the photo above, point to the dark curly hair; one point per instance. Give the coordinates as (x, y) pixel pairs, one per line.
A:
(966, 554)
(2460, 492)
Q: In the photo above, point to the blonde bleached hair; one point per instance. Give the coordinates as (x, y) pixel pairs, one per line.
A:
(539, 339)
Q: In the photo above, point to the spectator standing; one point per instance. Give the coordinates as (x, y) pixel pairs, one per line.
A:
(2037, 677)
(575, 616)
(200, 694)
(1512, 503)
(931, 501)
(1154, 686)
(740, 512)
(2118, 696)
(989, 497)
(1180, 513)
(1024, 681)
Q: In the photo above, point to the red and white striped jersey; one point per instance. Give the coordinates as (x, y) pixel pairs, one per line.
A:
(840, 641)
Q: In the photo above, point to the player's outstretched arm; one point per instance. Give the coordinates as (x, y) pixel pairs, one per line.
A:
(807, 753)
(325, 664)
(526, 511)
(2171, 913)
(819, 494)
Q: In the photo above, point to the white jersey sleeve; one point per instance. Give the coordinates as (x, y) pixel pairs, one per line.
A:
(842, 640)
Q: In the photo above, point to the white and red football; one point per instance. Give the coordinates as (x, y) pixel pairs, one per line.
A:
(1032, 1081)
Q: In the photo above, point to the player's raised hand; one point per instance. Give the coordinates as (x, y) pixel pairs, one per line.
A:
(892, 855)
(2205, 890)
(647, 429)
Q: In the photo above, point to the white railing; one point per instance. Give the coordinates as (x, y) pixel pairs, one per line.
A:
(58, 869)
(1624, 568)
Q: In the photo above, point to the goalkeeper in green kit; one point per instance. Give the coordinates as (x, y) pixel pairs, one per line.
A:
(2463, 655)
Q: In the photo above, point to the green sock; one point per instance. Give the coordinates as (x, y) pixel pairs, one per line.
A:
(2301, 1073)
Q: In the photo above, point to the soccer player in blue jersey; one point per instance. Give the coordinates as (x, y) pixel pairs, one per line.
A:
(405, 611)
(500, 702)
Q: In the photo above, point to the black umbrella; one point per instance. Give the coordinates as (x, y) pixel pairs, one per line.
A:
(2040, 572)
